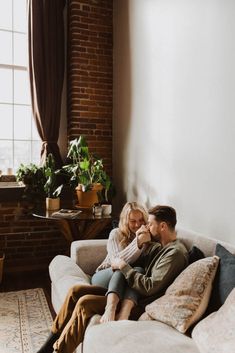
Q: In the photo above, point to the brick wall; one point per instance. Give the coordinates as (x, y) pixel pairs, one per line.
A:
(27, 242)
(90, 74)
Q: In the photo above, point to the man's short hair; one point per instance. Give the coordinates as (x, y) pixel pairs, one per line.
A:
(164, 214)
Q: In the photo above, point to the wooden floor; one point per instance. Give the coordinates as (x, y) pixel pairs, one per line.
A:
(27, 280)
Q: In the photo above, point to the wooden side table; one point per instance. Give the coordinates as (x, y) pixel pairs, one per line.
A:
(84, 226)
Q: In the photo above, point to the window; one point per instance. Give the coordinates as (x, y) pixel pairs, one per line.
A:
(19, 139)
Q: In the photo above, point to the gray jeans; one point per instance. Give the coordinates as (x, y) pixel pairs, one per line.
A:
(115, 282)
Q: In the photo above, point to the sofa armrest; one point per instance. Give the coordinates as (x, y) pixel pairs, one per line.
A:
(88, 254)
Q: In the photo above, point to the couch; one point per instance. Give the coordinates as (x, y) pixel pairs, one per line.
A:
(155, 331)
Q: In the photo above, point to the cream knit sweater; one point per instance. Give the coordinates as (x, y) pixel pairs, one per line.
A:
(129, 254)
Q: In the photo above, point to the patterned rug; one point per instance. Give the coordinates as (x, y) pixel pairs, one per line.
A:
(25, 321)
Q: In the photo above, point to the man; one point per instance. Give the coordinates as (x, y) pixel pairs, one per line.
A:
(162, 260)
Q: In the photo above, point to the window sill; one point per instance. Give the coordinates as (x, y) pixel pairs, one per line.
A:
(11, 191)
(11, 184)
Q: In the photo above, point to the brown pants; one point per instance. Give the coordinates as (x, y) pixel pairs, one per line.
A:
(81, 303)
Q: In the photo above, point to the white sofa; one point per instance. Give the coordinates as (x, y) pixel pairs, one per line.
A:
(122, 336)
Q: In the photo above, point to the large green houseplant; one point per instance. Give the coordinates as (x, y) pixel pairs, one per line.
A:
(86, 173)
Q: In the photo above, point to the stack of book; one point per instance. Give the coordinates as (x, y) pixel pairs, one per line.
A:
(66, 213)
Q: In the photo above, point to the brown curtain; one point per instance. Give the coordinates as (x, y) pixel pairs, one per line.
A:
(46, 70)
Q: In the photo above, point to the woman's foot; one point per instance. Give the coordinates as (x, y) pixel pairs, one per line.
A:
(110, 309)
(122, 315)
(109, 313)
(125, 311)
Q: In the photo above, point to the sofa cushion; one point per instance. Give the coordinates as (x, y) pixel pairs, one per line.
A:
(186, 299)
(195, 254)
(216, 332)
(126, 336)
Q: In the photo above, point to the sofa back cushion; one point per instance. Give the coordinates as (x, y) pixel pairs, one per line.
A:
(205, 244)
(88, 254)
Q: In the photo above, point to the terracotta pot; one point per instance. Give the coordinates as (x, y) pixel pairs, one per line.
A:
(52, 204)
(88, 198)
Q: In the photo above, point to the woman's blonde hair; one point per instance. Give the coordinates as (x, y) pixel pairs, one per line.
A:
(127, 236)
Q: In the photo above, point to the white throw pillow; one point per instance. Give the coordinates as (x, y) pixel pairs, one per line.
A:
(186, 299)
(216, 333)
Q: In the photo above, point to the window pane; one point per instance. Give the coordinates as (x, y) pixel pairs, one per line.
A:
(22, 152)
(6, 155)
(20, 49)
(36, 151)
(22, 122)
(6, 14)
(6, 43)
(21, 87)
(19, 15)
(6, 121)
(19, 139)
(6, 88)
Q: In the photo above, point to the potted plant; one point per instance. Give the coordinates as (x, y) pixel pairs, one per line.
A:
(86, 173)
(33, 178)
(105, 196)
(51, 187)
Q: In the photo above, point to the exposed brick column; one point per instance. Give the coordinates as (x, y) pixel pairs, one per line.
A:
(90, 74)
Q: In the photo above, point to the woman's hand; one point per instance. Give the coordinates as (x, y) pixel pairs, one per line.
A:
(118, 264)
(143, 236)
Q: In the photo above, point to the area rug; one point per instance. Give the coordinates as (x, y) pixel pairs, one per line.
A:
(25, 321)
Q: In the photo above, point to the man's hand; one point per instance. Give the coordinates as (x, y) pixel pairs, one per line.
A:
(118, 264)
(143, 236)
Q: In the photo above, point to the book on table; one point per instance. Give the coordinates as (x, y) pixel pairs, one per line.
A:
(66, 213)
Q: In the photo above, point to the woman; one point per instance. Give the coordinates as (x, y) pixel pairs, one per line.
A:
(83, 301)
(122, 244)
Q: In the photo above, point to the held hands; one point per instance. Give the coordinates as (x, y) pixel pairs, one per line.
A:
(143, 236)
(118, 264)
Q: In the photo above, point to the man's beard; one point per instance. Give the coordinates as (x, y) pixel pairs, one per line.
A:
(155, 237)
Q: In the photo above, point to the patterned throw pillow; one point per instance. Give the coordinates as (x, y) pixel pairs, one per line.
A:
(216, 333)
(186, 299)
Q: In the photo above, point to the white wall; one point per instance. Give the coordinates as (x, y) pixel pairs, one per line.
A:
(174, 109)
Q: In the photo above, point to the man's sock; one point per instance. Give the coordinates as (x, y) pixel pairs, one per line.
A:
(47, 347)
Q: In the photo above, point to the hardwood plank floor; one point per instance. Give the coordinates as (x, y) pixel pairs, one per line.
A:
(27, 280)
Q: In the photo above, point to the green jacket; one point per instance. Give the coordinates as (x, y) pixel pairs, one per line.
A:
(161, 265)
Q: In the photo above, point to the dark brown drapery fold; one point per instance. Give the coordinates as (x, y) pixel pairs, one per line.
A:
(46, 70)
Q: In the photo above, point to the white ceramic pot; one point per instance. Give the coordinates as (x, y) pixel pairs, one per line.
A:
(106, 210)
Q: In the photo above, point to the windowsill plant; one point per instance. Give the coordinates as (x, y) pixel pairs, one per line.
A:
(33, 177)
